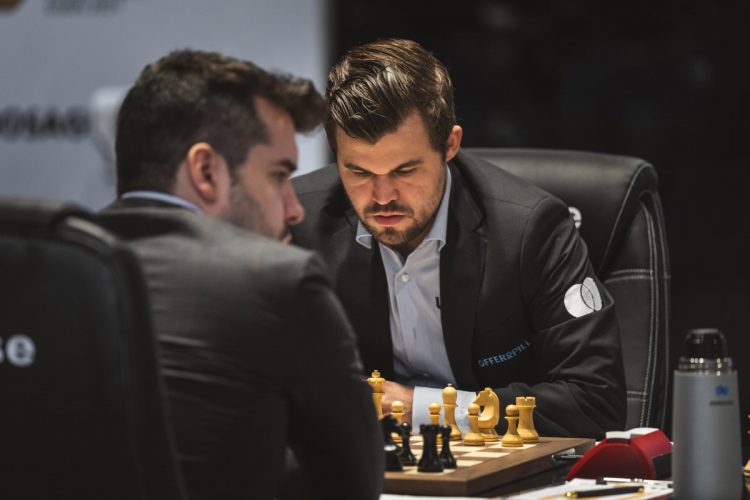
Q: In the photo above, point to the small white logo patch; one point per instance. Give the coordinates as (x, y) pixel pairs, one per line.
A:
(20, 351)
(583, 299)
(577, 217)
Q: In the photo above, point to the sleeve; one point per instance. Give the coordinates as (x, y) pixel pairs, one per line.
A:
(333, 428)
(423, 396)
(576, 338)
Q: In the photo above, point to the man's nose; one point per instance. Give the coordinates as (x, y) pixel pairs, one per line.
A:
(294, 212)
(383, 190)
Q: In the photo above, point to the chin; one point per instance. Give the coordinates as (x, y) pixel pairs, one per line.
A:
(389, 236)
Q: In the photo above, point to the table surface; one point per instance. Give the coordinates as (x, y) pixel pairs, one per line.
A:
(481, 470)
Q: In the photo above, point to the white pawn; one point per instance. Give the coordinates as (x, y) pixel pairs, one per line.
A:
(473, 437)
(511, 439)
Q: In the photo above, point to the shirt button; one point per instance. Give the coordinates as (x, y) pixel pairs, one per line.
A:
(405, 277)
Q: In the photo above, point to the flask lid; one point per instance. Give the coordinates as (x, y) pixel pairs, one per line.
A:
(705, 343)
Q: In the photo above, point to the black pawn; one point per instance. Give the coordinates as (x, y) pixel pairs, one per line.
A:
(407, 457)
(449, 461)
(392, 452)
(430, 460)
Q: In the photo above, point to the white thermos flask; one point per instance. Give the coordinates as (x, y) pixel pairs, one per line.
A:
(707, 452)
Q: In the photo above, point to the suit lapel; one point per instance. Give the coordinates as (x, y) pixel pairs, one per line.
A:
(363, 290)
(462, 262)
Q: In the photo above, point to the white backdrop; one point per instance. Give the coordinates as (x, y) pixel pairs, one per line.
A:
(66, 63)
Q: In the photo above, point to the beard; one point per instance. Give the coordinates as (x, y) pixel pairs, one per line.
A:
(388, 235)
(245, 212)
(418, 221)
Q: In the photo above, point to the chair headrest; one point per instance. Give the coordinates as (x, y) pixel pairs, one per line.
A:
(605, 189)
(38, 216)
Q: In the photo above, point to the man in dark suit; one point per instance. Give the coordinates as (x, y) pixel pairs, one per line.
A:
(255, 350)
(452, 270)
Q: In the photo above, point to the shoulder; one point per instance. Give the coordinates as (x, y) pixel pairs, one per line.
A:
(322, 190)
(318, 181)
(207, 247)
(327, 207)
(491, 182)
(500, 194)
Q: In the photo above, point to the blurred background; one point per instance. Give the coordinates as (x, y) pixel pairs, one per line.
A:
(666, 81)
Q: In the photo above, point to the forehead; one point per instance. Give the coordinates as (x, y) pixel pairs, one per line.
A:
(275, 118)
(279, 127)
(408, 142)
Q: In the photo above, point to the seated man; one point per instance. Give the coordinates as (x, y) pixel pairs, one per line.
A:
(256, 352)
(452, 270)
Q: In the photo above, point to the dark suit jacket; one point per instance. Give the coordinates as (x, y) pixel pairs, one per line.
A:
(511, 254)
(256, 353)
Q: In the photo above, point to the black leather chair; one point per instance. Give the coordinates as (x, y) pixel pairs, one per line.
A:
(615, 202)
(81, 414)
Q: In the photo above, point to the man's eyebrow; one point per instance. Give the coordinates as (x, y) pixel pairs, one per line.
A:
(406, 164)
(287, 163)
(409, 163)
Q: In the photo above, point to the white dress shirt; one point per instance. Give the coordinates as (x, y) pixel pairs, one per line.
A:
(419, 355)
(163, 197)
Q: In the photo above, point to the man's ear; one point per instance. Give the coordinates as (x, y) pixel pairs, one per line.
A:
(206, 170)
(453, 143)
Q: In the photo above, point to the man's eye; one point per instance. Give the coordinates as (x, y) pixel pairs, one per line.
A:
(405, 171)
(279, 176)
(360, 173)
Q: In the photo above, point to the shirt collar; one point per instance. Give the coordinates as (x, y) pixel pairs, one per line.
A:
(163, 197)
(437, 231)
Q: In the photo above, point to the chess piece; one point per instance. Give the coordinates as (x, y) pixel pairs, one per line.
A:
(430, 460)
(389, 425)
(490, 416)
(449, 411)
(473, 437)
(526, 430)
(397, 410)
(446, 457)
(392, 452)
(434, 409)
(376, 383)
(407, 457)
(512, 439)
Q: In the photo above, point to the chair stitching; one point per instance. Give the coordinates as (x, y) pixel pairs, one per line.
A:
(664, 270)
(641, 277)
(631, 271)
(662, 277)
(620, 211)
(654, 323)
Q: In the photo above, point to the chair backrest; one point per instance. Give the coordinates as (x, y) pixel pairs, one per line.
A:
(82, 409)
(618, 212)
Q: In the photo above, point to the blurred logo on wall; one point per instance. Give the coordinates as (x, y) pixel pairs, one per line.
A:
(6, 5)
(34, 123)
(83, 7)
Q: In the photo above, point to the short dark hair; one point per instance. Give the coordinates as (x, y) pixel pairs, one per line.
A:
(375, 86)
(192, 96)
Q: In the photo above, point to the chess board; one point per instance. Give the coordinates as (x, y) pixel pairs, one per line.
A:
(480, 468)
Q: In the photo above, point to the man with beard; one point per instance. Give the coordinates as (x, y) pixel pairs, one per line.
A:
(253, 344)
(452, 270)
